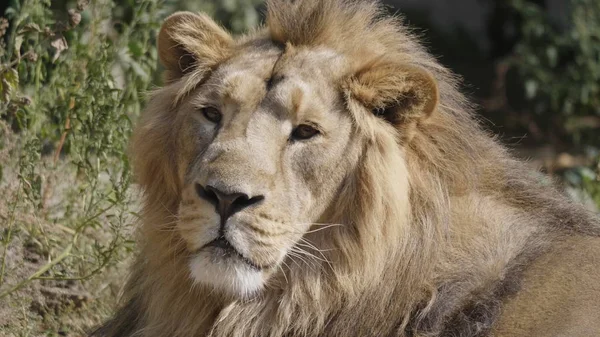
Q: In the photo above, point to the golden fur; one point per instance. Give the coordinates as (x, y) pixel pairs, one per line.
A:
(409, 219)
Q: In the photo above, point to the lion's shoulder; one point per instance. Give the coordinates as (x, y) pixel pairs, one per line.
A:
(560, 292)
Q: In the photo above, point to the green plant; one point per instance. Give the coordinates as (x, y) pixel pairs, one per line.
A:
(72, 76)
(560, 69)
(236, 15)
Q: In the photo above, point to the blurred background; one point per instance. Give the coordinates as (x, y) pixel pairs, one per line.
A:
(74, 76)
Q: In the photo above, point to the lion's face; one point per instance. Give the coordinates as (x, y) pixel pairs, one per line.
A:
(265, 140)
(268, 150)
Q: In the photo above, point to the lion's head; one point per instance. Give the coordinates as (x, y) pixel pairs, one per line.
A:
(267, 140)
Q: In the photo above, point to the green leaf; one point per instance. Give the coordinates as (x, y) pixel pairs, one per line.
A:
(139, 70)
(9, 81)
(17, 45)
(552, 54)
(135, 49)
(531, 89)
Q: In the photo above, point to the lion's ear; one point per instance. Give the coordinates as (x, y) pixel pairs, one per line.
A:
(401, 94)
(189, 41)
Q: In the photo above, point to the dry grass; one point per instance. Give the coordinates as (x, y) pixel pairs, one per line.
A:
(60, 275)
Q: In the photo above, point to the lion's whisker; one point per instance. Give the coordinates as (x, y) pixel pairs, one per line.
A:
(308, 254)
(301, 258)
(283, 271)
(325, 226)
(303, 252)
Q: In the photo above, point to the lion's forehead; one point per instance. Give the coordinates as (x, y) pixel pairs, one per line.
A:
(289, 84)
(243, 77)
(247, 77)
(309, 63)
(258, 63)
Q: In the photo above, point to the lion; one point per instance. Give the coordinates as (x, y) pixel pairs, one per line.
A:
(324, 176)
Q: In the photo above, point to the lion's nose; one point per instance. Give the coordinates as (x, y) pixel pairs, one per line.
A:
(226, 204)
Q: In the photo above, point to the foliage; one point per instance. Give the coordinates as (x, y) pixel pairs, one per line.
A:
(583, 183)
(560, 69)
(72, 78)
(236, 15)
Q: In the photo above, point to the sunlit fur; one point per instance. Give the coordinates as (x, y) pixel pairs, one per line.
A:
(417, 224)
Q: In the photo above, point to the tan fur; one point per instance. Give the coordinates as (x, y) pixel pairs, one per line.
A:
(401, 218)
(191, 41)
(561, 296)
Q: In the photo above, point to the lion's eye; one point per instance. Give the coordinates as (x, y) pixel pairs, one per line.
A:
(304, 131)
(212, 114)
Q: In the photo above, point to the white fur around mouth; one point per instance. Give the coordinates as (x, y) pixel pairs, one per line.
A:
(226, 271)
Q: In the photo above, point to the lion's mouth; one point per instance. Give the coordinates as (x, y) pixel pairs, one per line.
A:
(226, 249)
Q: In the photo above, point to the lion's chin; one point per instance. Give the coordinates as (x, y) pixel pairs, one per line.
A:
(227, 273)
